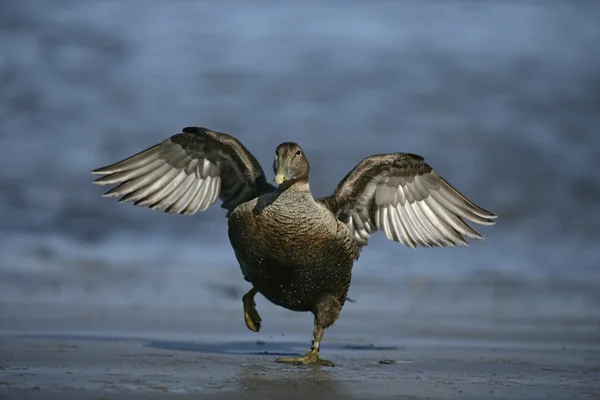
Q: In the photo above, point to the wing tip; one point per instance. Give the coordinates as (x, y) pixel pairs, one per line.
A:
(145, 157)
(103, 181)
(487, 223)
(485, 214)
(98, 171)
(106, 170)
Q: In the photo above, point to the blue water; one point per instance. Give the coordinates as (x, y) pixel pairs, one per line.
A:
(501, 98)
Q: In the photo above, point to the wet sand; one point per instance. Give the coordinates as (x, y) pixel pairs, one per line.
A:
(96, 353)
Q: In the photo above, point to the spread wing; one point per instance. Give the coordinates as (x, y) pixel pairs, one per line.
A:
(404, 197)
(187, 173)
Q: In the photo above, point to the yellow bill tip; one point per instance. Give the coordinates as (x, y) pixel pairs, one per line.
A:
(279, 179)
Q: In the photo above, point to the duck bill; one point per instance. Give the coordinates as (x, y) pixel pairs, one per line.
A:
(282, 174)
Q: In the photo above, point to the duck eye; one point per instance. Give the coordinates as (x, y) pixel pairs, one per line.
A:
(298, 152)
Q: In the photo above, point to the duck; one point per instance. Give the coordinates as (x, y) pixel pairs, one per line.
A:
(296, 250)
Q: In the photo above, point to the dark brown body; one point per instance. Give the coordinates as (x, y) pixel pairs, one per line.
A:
(293, 250)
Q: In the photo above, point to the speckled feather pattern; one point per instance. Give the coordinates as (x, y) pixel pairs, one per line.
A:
(293, 250)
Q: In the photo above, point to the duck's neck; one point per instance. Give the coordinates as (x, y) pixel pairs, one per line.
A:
(295, 186)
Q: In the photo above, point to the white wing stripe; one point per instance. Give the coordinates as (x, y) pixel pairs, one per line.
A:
(182, 202)
(462, 208)
(410, 234)
(196, 201)
(418, 219)
(170, 184)
(436, 237)
(175, 195)
(417, 229)
(404, 235)
(155, 186)
(439, 223)
(216, 189)
(206, 196)
(129, 174)
(452, 219)
(140, 182)
(206, 167)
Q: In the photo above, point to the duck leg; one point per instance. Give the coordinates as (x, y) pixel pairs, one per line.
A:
(326, 313)
(251, 316)
(312, 357)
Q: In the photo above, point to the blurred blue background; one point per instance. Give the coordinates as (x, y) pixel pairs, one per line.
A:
(501, 98)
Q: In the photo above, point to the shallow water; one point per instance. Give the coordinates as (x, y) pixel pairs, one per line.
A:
(502, 99)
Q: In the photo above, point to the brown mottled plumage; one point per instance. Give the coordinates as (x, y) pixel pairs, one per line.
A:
(296, 250)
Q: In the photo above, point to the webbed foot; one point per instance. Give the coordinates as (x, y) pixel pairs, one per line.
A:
(312, 357)
(251, 316)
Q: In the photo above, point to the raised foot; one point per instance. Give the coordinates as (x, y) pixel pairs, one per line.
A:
(251, 316)
(311, 357)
